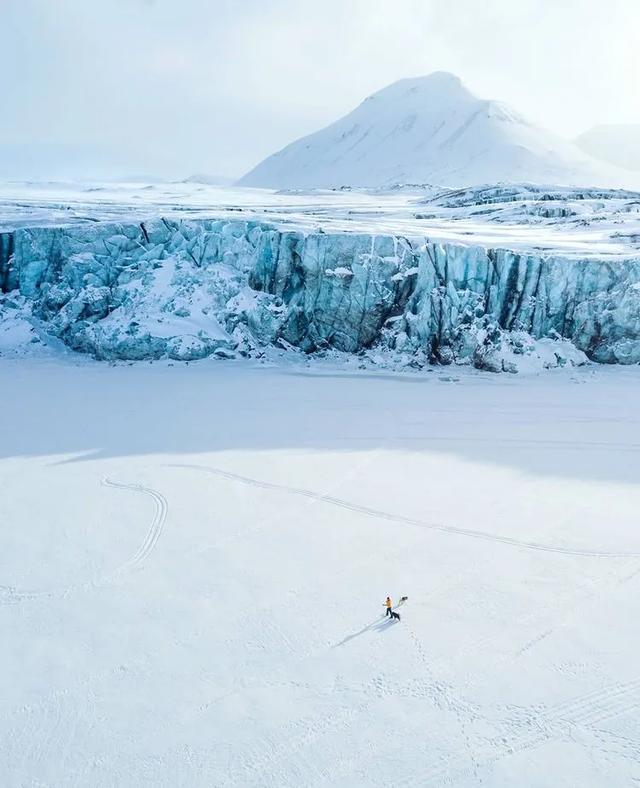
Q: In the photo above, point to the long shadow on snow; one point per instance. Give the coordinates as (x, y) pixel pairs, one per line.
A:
(582, 424)
(378, 624)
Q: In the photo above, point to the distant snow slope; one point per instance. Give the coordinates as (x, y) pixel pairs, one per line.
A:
(429, 130)
(209, 180)
(617, 144)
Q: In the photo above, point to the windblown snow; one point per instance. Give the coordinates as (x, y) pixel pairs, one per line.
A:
(430, 130)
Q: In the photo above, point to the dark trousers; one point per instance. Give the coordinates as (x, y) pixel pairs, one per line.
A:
(388, 613)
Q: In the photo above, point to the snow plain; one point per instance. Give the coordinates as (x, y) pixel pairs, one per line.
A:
(605, 223)
(193, 561)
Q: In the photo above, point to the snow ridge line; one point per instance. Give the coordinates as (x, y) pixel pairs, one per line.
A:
(398, 518)
(10, 595)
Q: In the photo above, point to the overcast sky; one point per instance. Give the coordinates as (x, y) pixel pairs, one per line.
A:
(176, 87)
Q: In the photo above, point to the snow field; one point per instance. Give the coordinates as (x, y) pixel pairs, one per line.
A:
(219, 620)
(571, 222)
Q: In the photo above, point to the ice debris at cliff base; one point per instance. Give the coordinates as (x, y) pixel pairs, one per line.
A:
(191, 289)
(18, 336)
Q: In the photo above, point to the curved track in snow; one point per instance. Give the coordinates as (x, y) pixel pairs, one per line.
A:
(10, 595)
(155, 529)
(398, 518)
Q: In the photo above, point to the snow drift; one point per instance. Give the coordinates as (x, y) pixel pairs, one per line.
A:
(429, 130)
(190, 289)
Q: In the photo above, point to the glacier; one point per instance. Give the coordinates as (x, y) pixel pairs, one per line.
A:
(191, 288)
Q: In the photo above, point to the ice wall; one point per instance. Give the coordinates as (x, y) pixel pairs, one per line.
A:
(195, 288)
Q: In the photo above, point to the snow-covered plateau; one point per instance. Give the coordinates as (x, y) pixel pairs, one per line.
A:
(507, 277)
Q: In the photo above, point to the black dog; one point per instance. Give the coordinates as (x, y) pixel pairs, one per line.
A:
(395, 615)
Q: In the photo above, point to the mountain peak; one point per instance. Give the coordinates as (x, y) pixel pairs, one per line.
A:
(441, 84)
(428, 129)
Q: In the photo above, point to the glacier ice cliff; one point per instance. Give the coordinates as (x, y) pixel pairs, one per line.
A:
(190, 289)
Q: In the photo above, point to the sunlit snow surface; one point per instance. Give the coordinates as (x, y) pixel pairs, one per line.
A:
(194, 559)
(599, 222)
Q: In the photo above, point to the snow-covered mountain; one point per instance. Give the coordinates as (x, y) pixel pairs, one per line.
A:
(617, 144)
(428, 130)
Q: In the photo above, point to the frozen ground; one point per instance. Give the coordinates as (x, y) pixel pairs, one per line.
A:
(193, 561)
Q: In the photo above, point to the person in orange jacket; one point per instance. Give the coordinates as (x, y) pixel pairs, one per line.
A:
(389, 605)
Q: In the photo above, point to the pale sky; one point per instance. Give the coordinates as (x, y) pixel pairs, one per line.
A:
(175, 87)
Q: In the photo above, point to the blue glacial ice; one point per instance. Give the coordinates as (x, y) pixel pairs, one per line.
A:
(202, 287)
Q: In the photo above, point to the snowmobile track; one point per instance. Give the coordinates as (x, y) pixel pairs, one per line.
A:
(155, 529)
(10, 595)
(397, 518)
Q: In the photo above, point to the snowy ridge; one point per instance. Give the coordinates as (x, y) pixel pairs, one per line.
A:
(430, 130)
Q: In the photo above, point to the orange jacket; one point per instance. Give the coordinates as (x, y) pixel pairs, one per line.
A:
(389, 603)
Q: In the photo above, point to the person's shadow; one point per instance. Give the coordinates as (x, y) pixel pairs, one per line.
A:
(386, 622)
(377, 625)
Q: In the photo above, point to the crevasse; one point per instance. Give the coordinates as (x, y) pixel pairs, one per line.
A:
(188, 289)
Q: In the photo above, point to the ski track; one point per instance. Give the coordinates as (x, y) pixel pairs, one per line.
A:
(564, 610)
(252, 618)
(261, 525)
(155, 529)
(9, 595)
(587, 710)
(377, 513)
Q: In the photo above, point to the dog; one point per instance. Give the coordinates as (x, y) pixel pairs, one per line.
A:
(395, 615)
